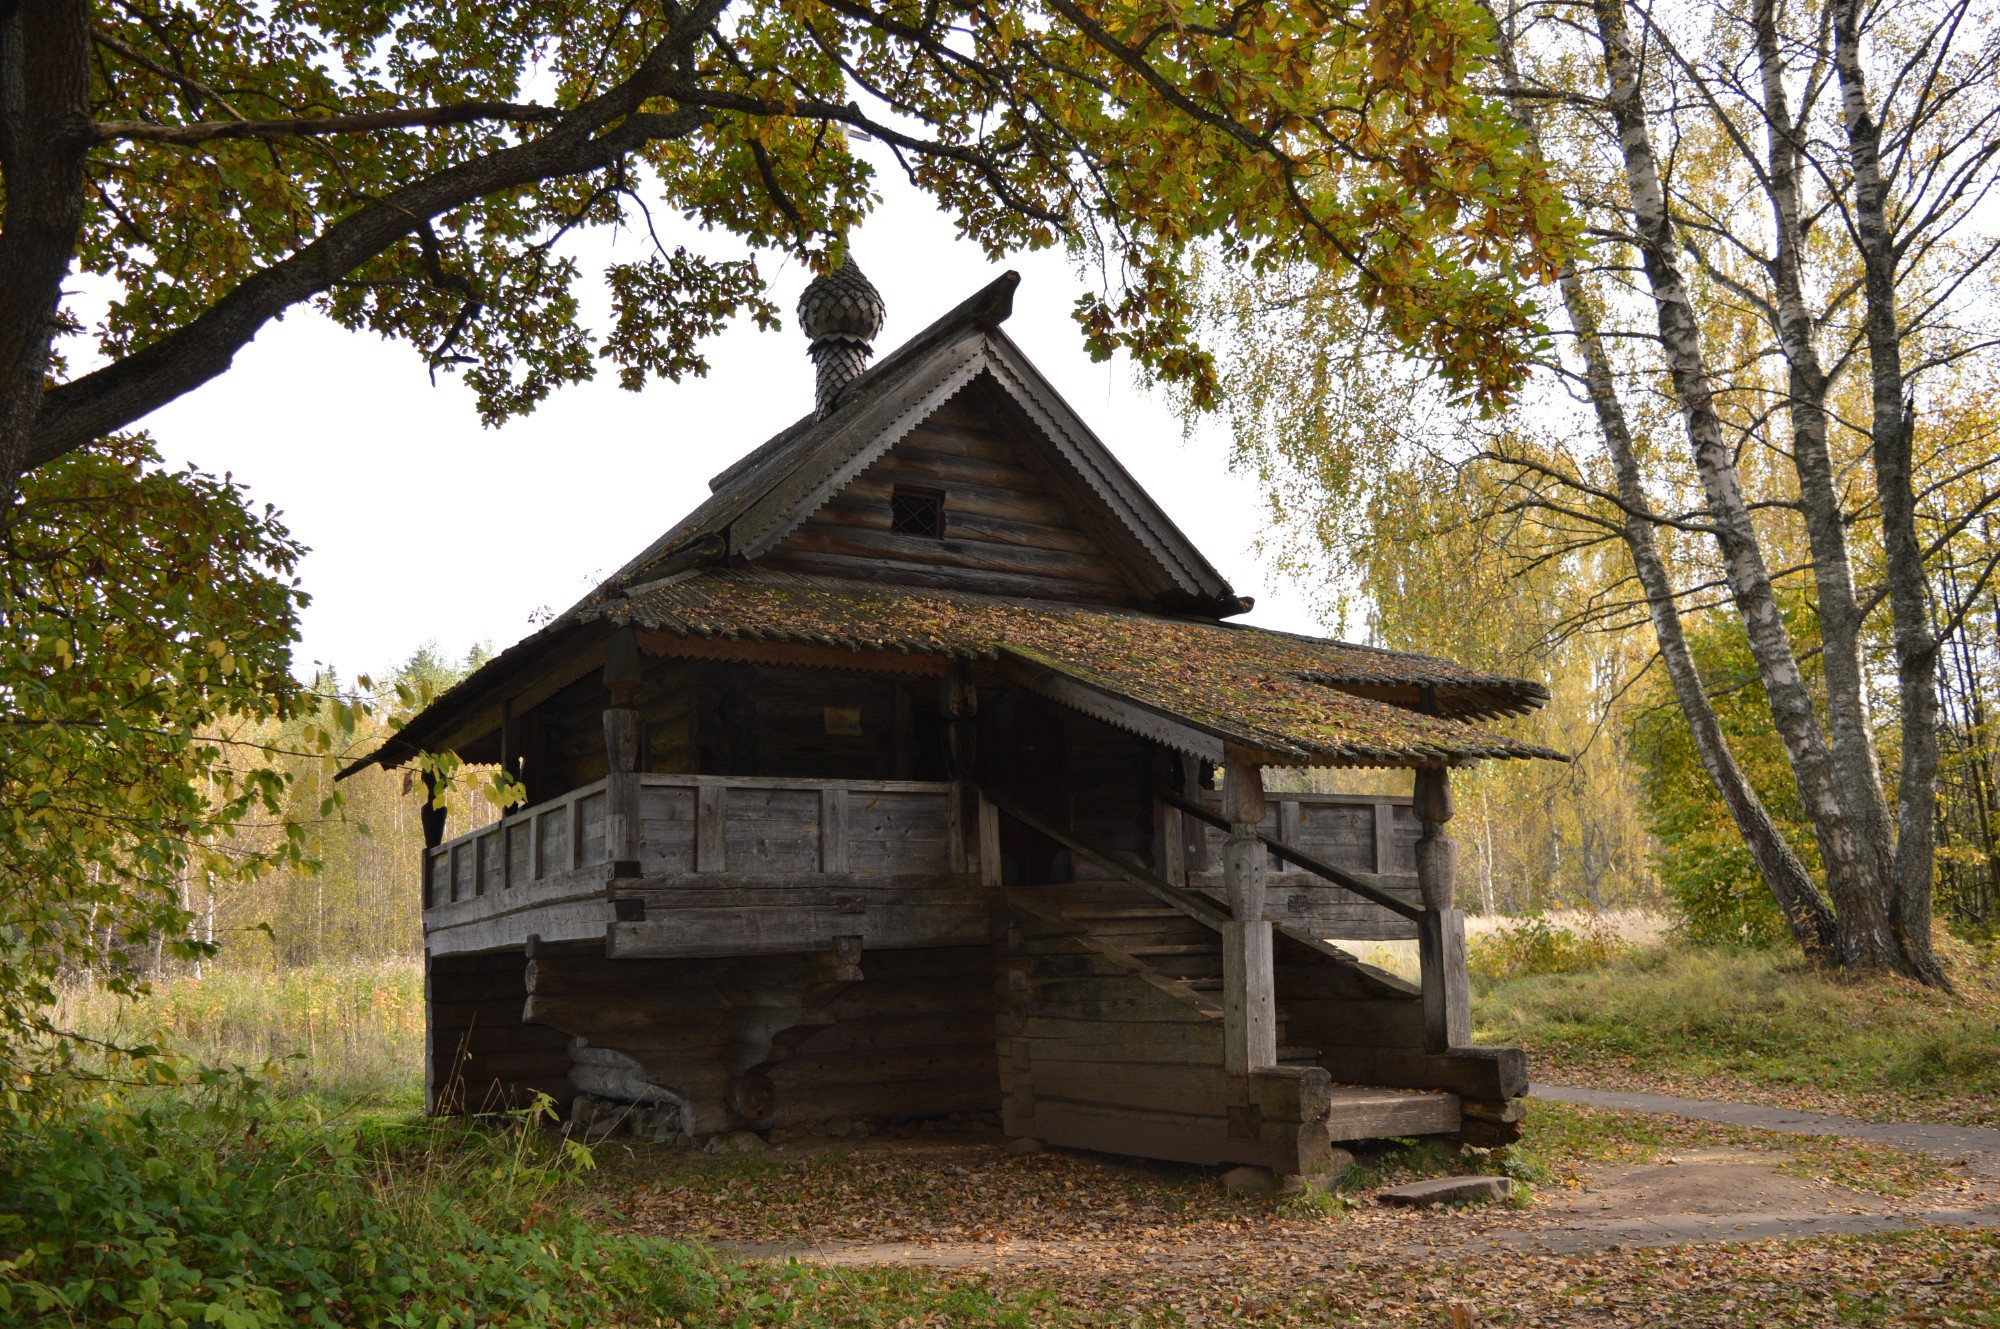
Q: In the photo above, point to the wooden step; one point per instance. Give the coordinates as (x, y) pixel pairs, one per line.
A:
(1198, 948)
(1363, 1112)
(1302, 1054)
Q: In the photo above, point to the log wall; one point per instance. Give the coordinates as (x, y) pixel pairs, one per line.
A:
(1007, 530)
(480, 1056)
(786, 1040)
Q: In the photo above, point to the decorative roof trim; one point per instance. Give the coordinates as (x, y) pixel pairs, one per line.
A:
(1088, 456)
(957, 366)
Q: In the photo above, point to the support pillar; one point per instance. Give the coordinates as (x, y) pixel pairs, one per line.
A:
(621, 752)
(1447, 995)
(1249, 999)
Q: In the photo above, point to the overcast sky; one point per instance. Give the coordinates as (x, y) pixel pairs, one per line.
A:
(425, 526)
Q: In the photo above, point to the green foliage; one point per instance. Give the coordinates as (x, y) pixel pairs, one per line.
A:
(226, 1206)
(145, 617)
(1347, 137)
(1705, 869)
(1538, 945)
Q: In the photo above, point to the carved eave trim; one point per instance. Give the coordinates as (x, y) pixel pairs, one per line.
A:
(1088, 456)
(864, 439)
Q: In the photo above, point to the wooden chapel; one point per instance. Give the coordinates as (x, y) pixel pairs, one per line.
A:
(919, 771)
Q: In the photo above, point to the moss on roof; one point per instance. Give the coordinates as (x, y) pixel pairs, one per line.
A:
(1275, 692)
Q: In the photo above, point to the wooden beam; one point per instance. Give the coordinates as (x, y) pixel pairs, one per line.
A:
(1198, 907)
(1338, 876)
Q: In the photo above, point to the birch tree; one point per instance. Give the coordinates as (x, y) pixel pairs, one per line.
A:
(1787, 251)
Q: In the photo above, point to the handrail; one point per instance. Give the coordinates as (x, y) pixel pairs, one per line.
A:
(1198, 907)
(1338, 876)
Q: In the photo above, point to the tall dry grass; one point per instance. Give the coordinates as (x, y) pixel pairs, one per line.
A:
(354, 1031)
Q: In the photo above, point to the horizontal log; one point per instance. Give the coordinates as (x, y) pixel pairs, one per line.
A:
(555, 922)
(1285, 1148)
(904, 572)
(1492, 1073)
(766, 931)
(883, 1065)
(802, 1105)
(1387, 1114)
(1208, 1091)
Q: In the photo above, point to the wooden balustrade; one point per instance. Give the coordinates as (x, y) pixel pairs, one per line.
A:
(710, 827)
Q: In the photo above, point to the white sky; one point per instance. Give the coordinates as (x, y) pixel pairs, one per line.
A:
(424, 526)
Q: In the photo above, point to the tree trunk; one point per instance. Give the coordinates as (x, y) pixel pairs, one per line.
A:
(1891, 429)
(1840, 617)
(45, 131)
(1798, 899)
(1860, 900)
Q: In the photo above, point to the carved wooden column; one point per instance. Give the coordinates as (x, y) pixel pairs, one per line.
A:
(1441, 928)
(621, 751)
(1250, 1017)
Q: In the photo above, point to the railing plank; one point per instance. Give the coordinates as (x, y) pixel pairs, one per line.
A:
(711, 827)
(1338, 876)
(833, 828)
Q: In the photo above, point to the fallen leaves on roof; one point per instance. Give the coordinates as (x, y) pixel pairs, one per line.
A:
(1271, 691)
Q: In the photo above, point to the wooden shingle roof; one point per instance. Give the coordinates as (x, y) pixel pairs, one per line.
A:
(1174, 669)
(1291, 697)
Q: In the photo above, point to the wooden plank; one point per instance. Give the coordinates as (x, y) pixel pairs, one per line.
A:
(833, 829)
(711, 842)
(584, 883)
(552, 854)
(905, 572)
(1339, 876)
(554, 922)
(1381, 1114)
(1088, 573)
(1471, 1073)
(774, 931)
(1385, 836)
(1179, 1137)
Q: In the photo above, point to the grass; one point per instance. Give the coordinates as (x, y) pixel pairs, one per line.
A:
(319, 1196)
(1761, 1026)
(349, 1034)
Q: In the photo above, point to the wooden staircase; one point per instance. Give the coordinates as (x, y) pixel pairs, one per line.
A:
(1183, 951)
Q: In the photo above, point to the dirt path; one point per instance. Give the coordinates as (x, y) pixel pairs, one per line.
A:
(1978, 1149)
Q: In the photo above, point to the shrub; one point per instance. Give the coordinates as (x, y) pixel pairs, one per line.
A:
(1538, 945)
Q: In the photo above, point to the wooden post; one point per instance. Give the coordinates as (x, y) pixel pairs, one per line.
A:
(989, 843)
(621, 752)
(1447, 995)
(432, 820)
(1249, 1003)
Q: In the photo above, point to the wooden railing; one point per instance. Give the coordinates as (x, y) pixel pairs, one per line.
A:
(1341, 865)
(704, 824)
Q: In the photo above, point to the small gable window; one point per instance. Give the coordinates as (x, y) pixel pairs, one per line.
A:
(918, 512)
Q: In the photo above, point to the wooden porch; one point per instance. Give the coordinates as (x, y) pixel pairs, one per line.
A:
(739, 922)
